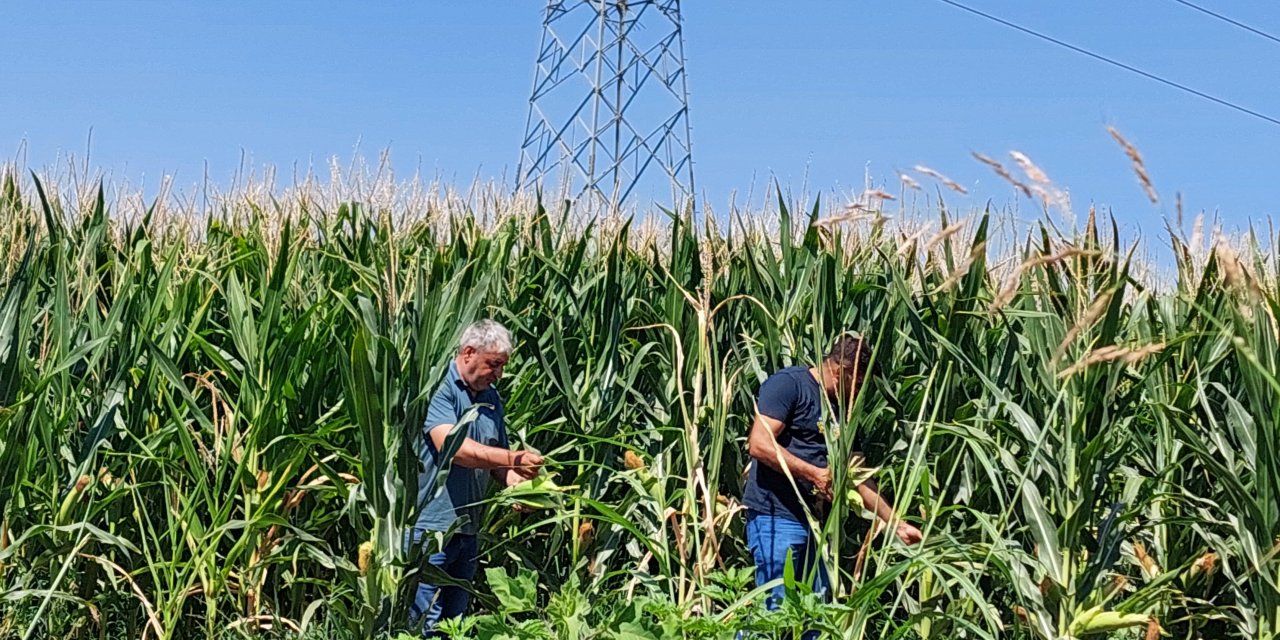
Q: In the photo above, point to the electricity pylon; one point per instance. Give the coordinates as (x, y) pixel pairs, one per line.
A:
(609, 109)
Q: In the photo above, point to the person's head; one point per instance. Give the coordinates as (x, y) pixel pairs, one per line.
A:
(846, 366)
(482, 353)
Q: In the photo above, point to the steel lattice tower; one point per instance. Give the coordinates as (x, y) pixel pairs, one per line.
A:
(609, 109)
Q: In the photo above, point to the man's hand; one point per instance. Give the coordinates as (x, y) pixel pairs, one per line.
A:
(908, 534)
(822, 483)
(526, 464)
(511, 478)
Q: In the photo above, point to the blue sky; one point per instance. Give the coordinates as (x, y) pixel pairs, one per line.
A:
(811, 92)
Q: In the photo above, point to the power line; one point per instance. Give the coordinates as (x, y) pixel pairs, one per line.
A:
(1229, 20)
(1116, 63)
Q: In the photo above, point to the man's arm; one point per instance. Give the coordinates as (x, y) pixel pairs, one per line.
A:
(762, 445)
(884, 510)
(474, 455)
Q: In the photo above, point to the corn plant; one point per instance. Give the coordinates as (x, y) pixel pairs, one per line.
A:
(209, 418)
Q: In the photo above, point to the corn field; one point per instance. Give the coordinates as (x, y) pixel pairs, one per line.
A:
(207, 417)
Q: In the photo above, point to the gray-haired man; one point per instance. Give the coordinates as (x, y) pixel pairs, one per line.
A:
(484, 456)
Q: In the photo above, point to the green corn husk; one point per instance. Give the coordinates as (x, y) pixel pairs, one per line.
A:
(1095, 620)
(859, 472)
(541, 492)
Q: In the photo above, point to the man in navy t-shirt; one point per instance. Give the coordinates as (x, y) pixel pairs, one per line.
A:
(788, 429)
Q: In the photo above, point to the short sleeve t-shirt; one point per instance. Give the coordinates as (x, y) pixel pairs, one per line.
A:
(464, 488)
(793, 397)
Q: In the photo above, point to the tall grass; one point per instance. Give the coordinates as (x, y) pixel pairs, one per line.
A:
(207, 416)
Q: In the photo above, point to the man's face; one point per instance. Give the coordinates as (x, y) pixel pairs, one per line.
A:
(848, 381)
(480, 369)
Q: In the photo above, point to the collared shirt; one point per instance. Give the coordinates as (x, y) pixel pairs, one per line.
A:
(464, 487)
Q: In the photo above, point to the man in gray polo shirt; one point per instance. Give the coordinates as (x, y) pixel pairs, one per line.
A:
(483, 457)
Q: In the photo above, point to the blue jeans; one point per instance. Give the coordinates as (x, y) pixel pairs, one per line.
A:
(432, 603)
(770, 538)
